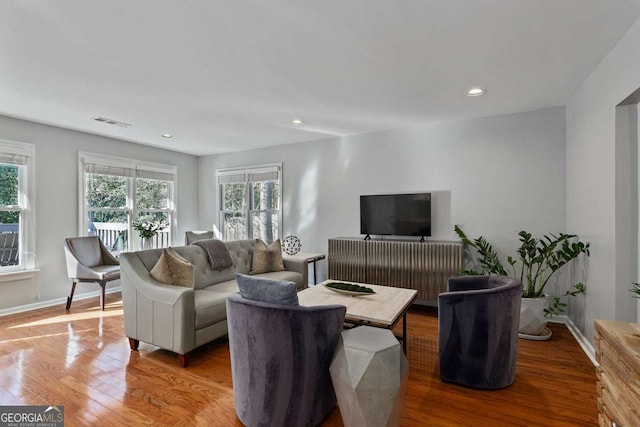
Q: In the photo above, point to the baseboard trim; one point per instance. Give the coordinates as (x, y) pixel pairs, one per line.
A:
(57, 301)
(584, 343)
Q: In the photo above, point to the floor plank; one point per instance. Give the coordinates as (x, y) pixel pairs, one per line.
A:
(82, 360)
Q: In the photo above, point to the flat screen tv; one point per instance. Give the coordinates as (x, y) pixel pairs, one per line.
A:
(396, 214)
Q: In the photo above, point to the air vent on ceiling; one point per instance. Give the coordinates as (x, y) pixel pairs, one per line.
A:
(112, 122)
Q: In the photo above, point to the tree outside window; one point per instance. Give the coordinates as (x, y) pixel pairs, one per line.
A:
(9, 215)
(17, 216)
(116, 196)
(250, 203)
(107, 210)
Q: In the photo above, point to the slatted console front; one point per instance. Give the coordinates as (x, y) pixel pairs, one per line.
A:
(423, 266)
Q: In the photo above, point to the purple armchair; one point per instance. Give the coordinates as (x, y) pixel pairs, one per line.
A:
(280, 357)
(478, 331)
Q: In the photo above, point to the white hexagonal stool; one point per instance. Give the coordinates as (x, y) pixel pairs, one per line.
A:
(369, 373)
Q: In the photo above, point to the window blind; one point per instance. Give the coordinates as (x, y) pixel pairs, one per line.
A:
(232, 178)
(103, 169)
(160, 176)
(13, 159)
(263, 176)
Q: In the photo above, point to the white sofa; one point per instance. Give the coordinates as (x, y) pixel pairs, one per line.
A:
(180, 319)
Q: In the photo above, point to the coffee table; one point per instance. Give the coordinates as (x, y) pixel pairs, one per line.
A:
(382, 309)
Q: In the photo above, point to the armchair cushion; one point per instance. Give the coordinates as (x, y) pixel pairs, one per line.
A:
(266, 258)
(266, 290)
(106, 272)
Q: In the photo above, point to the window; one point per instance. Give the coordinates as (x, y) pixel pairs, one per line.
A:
(118, 193)
(250, 203)
(16, 199)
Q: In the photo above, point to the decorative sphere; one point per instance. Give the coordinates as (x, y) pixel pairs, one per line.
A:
(291, 245)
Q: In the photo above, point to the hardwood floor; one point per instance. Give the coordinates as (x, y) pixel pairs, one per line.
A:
(82, 360)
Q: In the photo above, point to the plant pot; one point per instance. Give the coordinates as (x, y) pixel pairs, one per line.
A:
(532, 320)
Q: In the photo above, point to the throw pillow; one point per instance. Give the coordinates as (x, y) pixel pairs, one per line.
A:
(181, 269)
(266, 258)
(267, 290)
(172, 269)
(160, 270)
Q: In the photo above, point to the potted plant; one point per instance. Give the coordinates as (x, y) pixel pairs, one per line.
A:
(538, 259)
(147, 229)
(636, 290)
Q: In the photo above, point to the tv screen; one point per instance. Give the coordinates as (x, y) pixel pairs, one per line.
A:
(396, 214)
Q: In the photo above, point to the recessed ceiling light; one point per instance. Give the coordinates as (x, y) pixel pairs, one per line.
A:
(167, 135)
(476, 91)
(297, 122)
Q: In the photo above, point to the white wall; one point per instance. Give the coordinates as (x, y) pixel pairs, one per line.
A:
(57, 200)
(494, 176)
(596, 203)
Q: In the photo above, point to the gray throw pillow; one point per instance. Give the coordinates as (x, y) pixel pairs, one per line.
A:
(266, 290)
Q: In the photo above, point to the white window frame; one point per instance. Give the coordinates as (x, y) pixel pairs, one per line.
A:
(247, 171)
(138, 169)
(24, 156)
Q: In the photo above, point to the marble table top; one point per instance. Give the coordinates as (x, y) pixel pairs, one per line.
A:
(384, 307)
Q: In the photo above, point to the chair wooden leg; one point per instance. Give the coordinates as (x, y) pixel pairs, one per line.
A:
(133, 343)
(70, 297)
(103, 285)
(184, 359)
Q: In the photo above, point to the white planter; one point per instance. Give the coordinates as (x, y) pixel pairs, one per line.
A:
(532, 320)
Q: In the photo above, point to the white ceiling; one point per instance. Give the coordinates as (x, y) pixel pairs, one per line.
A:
(231, 75)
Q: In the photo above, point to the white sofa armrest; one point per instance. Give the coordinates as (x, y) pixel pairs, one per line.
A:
(155, 313)
(299, 266)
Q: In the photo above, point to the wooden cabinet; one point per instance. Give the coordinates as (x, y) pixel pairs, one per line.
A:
(618, 386)
(423, 266)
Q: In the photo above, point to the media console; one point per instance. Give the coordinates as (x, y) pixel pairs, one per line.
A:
(423, 266)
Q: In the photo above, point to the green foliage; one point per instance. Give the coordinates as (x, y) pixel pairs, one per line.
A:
(350, 287)
(262, 199)
(148, 229)
(151, 193)
(489, 260)
(234, 196)
(106, 191)
(636, 290)
(9, 193)
(556, 306)
(538, 259)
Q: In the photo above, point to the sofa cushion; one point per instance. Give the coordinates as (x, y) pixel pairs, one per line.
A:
(266, 290)
(228, 287)
(210, 307)
(266, 258)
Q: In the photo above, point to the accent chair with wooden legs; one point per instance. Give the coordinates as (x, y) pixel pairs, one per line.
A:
(88, 260)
